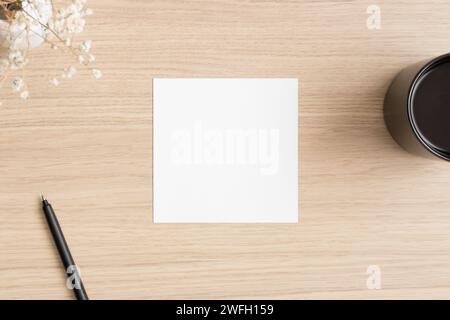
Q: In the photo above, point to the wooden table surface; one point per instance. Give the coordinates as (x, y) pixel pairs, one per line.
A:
(87, 145)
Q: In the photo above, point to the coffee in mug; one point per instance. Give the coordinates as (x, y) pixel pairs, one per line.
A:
(417, 108)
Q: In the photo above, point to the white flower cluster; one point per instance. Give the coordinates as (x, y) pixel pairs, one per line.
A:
(35, 21)
(71, 20)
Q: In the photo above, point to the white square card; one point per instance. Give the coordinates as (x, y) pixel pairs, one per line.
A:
(225, 151)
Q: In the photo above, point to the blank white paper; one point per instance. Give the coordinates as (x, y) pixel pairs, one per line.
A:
(225, 151)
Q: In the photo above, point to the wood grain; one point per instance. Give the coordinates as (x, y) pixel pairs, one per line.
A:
(88, 146)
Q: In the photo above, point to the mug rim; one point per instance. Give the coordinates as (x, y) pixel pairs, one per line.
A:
(445, 58)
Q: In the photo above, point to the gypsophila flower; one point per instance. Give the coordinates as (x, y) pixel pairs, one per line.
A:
(24, 95)
(97, 73)
(17, 60)
(86, 46)
(31, 22)
(54, 82)
(70, 72)
(17, 84)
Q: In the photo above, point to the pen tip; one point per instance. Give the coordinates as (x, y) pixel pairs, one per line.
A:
(42, 197)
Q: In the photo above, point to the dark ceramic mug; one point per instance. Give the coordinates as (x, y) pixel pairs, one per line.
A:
(417, 108)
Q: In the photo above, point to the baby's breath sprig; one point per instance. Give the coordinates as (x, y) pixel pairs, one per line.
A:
(25, 24)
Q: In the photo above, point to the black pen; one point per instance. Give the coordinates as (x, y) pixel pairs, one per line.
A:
(63, 249)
